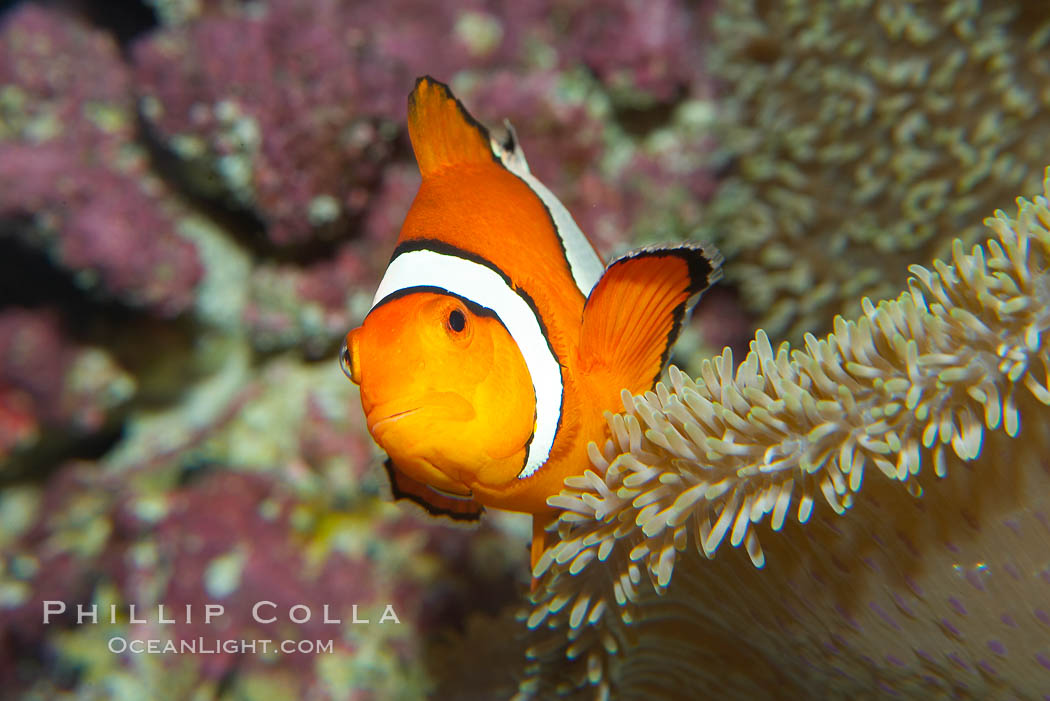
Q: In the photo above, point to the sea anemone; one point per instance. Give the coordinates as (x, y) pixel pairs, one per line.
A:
(904, 514)
(865, 136)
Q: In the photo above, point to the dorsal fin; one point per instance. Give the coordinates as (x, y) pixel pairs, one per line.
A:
(508, 150)
(443, 133)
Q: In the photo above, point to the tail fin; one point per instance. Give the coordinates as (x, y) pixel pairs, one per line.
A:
(635, 312)
(442, 131)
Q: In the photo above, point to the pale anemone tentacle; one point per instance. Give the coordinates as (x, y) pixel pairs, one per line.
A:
(864, 134)
(917, 385)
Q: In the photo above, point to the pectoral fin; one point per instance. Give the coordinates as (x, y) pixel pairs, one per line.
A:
(436, 503)
(635, 312)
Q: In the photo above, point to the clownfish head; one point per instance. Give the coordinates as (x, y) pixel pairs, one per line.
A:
(445, 389)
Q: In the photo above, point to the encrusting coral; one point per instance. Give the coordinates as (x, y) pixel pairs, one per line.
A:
(865, 136)
(52, 391)
(906, 516)
(73, 182)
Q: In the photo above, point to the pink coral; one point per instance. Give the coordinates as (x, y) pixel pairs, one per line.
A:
(34, 357)
(306, 305)
(56, 71)
(65, 171)
(291, 111)
(245, 519)
(43, 387)
(277, 108)
(18, 424)
(649, 46)
(61, 511)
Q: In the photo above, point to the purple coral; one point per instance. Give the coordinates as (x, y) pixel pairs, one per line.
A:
(651, 47)
(244, 519)
(69, 176)
(65, 510)
(49, 382)
(278, 110)
(33, 361)
(306, 306)
(292, 111)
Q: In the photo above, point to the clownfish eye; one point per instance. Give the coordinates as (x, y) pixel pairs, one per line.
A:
(456, 320)
(345, 362)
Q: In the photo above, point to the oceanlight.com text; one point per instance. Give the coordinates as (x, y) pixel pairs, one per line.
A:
(214, 646)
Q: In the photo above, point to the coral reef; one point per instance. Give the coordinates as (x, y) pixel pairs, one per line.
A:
(304, 306)
(642, 51)
(208, 89)
(51, 388)
(72, 180)
(207, 92)
(865, 136)
(291, 517)
(896, 471)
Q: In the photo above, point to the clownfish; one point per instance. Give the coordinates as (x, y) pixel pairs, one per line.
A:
(498, 338)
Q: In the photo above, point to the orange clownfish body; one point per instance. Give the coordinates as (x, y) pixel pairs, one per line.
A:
(498, 338)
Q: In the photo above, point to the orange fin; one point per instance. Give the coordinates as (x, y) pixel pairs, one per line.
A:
(436, 503)
(633, 315)
(442, 131)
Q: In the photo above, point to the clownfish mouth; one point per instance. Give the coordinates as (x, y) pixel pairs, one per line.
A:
(393, 418)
